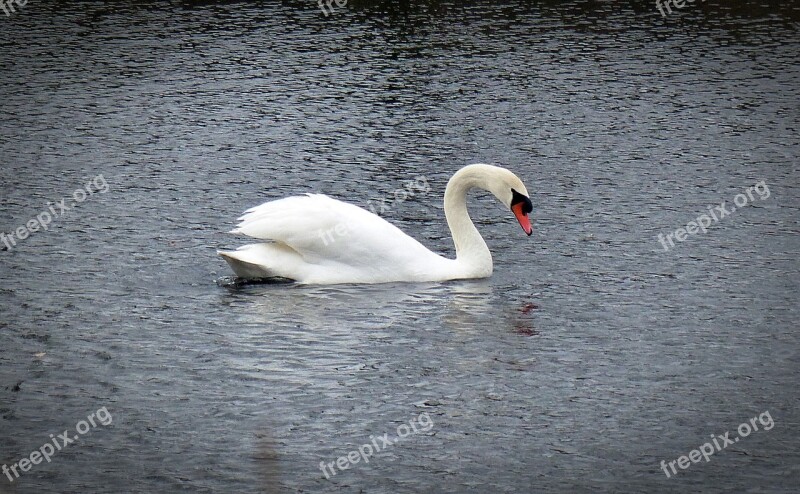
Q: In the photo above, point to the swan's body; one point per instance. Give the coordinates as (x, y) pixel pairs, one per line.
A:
(315, 239)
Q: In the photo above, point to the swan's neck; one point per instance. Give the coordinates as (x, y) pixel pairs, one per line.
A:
(472, 254)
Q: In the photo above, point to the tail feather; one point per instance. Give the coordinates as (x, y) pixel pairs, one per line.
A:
(243, 268)
(266, 260)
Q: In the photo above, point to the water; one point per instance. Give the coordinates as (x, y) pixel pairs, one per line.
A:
(588, 358)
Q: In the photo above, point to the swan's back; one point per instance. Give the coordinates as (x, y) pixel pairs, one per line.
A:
(318, 239)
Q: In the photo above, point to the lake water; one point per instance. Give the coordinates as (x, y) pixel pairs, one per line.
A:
(592, 354)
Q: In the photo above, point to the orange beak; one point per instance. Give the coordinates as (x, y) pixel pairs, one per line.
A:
(522, 217)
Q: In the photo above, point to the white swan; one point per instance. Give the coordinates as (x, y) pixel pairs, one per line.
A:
(315, 239)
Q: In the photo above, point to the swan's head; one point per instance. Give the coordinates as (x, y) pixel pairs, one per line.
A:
(502, 183)
(509, 190)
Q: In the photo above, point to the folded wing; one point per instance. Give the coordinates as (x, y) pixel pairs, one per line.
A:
(327, 231)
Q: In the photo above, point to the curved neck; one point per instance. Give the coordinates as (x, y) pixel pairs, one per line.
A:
(471, 249)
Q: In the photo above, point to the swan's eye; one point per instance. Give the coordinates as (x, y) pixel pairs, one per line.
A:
(517, 198)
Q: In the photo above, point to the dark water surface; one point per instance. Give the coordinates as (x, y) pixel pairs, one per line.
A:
(589, 357)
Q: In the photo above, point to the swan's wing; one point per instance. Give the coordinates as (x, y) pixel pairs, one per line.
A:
(325, 230)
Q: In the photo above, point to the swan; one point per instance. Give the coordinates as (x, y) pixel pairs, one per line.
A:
(315, 239)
